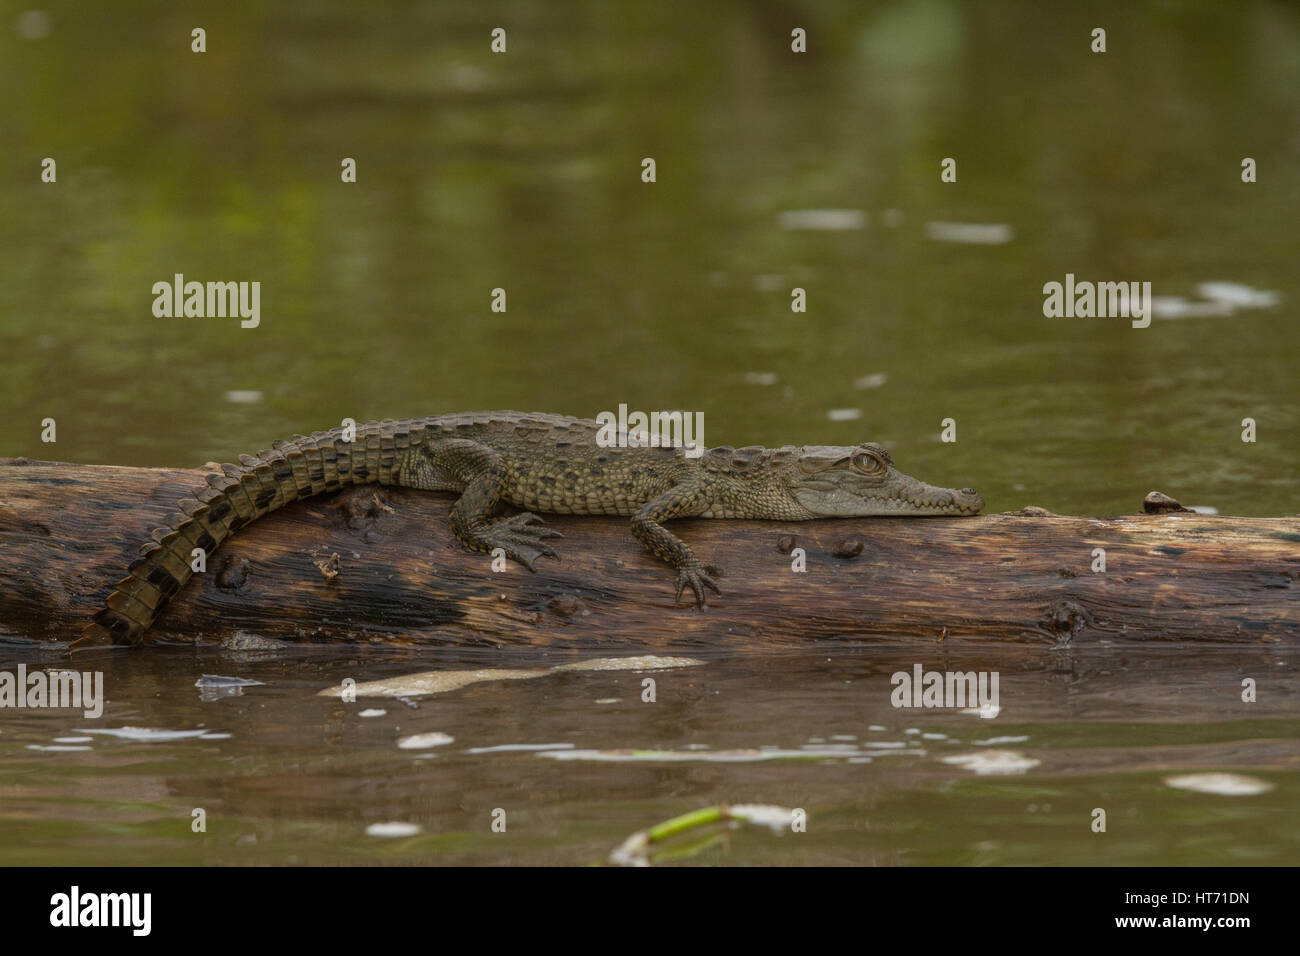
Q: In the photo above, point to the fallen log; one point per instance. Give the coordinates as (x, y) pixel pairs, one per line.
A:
(381, 564)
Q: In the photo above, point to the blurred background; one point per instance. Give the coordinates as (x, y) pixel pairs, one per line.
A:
(522, 171)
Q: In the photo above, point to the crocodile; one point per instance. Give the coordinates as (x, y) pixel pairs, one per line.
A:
(534, 461)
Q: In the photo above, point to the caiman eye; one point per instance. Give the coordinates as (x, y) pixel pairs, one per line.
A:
(868, 463)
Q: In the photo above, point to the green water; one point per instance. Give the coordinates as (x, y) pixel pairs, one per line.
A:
(522, 171)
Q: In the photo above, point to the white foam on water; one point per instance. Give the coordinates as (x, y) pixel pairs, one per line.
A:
(1222, 784)
(1218, 299)
(974, 233)
(1178, 307)
(831, 220)
(993, 762)
(1238, 295)
(394, 829)
(870, 381)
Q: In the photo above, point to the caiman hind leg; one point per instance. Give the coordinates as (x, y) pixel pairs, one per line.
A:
(483, 474)
(681, 501)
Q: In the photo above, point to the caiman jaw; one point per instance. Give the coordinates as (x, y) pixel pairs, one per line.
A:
(863, 482)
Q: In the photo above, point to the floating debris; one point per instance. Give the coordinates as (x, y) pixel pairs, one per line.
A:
(761, 378)
(508, 748)
(810, 752)
(56, 748)
(1222, 784)
(243, 396)
(431, 682)
(843, 414)
(870, 381)
(214, 686)
(995, 741)
(372, 712)
(644, 662)
(636, 849)
(424, 741)
(216, 680)
(148, 734)
(440, 682)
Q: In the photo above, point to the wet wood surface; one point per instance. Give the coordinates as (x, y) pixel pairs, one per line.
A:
(381, 564)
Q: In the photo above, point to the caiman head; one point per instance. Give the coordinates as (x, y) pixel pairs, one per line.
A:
(836, 481)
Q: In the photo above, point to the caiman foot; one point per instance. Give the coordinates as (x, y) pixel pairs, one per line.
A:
(698, 577)
(520, 537)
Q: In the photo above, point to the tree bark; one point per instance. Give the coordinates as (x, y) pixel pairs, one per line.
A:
(68, 532)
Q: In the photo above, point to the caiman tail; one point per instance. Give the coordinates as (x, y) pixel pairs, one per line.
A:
(288, 471)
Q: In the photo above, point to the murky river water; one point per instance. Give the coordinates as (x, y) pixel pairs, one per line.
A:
(522, 171)
(285, 775)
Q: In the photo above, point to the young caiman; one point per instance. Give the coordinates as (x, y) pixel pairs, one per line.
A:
(539, 462)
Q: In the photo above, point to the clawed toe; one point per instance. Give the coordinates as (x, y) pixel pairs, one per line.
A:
(698, 578)
(521, 537)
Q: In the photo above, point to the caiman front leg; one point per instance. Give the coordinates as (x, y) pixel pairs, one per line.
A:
(485, 474)
(678, 502)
